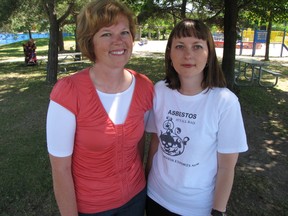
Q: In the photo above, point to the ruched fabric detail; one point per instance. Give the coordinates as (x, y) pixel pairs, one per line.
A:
(107, 166)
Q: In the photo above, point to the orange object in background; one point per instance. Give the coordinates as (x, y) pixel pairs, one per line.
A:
(246, 45)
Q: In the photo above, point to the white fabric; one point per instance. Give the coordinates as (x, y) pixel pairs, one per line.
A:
(191, 130)
(118, 103)
(60, 130)
(61, 123)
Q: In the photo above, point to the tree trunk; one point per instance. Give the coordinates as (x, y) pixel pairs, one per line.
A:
(77, 48)
(230, 36)
(173, 13)
(61, 41)
(30, 34)
(268, 37)
(52, 65)
(183, 9)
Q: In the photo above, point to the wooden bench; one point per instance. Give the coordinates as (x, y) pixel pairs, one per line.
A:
(262, 72)
(65, 65)
(236, 73)
(241, 78)
(239, 72)
(260, 76)
(42, 61)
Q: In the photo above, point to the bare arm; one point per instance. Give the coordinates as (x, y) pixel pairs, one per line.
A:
(63, 185)
(224, 180)
(152, 150)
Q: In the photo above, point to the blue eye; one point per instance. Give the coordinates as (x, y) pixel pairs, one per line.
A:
(196, 47)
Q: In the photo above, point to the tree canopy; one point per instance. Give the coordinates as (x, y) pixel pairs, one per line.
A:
(157, 15)
(7, 9)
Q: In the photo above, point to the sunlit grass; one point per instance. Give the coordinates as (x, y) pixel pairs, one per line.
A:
(25, 180)
(15, 50)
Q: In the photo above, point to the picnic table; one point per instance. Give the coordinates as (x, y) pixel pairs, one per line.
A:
(74, 55)
(65, 60)
(251, 71)
(68, 60)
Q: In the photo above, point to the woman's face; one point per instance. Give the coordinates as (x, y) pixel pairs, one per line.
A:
(113, 45)
(189, 56)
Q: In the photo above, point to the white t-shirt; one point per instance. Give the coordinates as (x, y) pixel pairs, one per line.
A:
(191, 130)
(61, 123)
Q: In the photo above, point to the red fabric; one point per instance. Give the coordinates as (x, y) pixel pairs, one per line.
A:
(107, 166)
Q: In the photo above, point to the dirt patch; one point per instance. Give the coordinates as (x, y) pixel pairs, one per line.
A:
(260, 186)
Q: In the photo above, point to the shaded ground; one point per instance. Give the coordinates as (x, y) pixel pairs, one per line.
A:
(261, 180)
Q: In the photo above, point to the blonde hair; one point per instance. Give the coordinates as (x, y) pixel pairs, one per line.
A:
(96, 15)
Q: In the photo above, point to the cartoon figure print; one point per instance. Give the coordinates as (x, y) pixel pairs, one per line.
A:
(171, 143)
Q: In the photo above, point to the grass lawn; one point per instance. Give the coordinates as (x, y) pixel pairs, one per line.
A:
(25, 180)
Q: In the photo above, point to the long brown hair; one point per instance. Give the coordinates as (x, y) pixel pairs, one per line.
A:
(213, 74)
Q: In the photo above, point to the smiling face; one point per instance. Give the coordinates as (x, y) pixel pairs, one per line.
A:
(113, 45)
(189, 56)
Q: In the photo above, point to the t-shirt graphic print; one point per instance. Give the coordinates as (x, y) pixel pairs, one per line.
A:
(172, 141)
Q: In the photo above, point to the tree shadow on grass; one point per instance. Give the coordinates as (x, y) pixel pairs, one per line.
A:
(261, 179)
(15, 50)
(25, 186)
(152, 66)
(261, 175)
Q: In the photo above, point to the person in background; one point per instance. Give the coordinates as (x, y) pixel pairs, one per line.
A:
(29, 49)
(96, 120)
(197, 129)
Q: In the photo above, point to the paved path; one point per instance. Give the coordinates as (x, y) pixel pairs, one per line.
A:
(160, 46)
